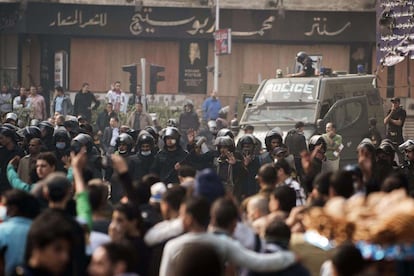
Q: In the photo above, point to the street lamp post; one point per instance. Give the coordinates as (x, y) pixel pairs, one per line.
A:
(216, 57)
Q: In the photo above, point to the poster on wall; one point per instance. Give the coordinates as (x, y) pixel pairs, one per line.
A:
(223, 42)
(61, 70)
(395, 39)
(193, 63)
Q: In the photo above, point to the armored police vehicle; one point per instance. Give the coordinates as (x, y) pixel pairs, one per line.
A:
(346, 100)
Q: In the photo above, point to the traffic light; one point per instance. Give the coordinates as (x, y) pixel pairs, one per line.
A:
(132, 70)
(154, 77)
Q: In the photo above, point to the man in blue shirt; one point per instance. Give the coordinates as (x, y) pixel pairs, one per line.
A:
(21, 208)
(211, 107)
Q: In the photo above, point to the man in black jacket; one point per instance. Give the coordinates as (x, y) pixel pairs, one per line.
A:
(83, 102)
(103, 118)
(169, 159)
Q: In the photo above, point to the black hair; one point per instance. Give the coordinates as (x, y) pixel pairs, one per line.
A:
(59, 88)
(321, 183)
(268, 174)
(47, 228)
(27, 205)
(174, 197)
(299, 125)
(347, 254)
(98, 196)
(58, 186)
(342, 183)
(286, 197)
(131, 212)
(395, 181)
(284, 165)
(198, 259)
(224, 212)
(278, 232)
(49, 157)
(249, 127)
(199, 208)
(186, 171)
(121, 252)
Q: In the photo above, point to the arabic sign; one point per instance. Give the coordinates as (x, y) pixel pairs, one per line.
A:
(395, 31)
(223, 42)
(198, 23)
(193, 63)
(9, 16)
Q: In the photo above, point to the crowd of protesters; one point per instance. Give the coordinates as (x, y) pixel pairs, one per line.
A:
(103, 198)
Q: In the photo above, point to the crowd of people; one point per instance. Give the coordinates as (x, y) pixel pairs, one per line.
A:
(103, 198)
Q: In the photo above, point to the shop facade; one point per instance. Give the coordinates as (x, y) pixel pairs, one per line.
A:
(70, 44)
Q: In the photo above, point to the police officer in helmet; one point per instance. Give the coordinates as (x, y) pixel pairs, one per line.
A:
(168, 160)
(306, 62)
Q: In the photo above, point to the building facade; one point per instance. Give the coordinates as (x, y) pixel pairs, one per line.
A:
(71, 42)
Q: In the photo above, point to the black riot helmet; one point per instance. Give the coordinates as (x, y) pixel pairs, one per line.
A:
(273, 134)
(146, 139)
(172, 122)
(301, 57)
(30, 132)
(81, 140)
(171, 132)
(61, 135)
(246, 139)
(46, 128)
(153, 131)
(225, 132)
(316, 140)
(224, 141)
(126, 139)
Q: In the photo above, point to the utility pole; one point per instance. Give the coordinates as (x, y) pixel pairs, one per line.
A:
(216, 57)
(144, 98)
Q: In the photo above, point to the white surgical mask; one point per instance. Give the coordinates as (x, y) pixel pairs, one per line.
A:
(145, 153)
(60, 145)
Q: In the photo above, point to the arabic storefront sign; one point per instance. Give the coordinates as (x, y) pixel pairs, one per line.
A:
(395, 31)
(198, 23)
(193, 63)
(9, 16)
(223, 42)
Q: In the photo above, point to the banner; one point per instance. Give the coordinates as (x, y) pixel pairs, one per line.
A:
(223, 42)
(193, 63)
(395, 37)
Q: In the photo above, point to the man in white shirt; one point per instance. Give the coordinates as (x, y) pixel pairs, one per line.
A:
(117, 98)
(195, 214)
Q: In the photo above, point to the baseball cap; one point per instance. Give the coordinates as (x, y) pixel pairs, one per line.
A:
(157, 190)
(395, 100)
